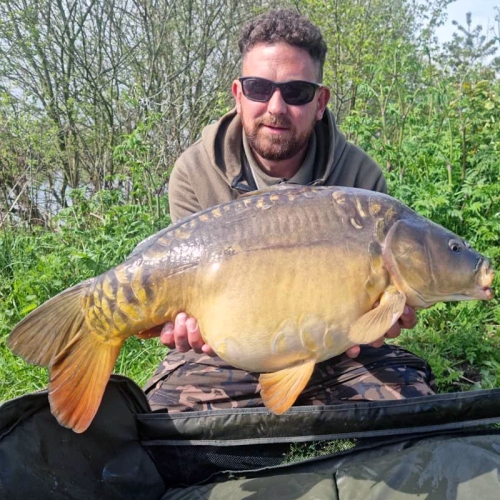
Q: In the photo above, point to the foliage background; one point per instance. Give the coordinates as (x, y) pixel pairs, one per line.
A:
(98, 98)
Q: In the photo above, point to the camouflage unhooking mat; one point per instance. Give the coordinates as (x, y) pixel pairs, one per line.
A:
(434, 447)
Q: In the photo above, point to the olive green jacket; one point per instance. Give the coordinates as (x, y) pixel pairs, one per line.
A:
(213, 171)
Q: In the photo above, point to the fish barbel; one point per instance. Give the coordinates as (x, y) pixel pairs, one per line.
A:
(278, 281)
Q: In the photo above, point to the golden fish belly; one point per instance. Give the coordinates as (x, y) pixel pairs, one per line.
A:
(289, 305)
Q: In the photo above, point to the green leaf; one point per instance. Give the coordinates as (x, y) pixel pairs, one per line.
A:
(30, 307)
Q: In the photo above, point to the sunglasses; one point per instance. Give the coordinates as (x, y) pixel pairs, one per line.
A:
(295, 93)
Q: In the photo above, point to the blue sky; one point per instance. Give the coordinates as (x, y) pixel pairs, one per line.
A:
(483, 12)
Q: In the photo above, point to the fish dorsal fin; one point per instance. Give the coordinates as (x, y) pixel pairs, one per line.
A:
(375, 323)
(279, 390)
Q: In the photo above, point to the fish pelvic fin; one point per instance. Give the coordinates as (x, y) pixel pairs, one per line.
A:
(375, 323)
(46, 331)
(279, 390)
(151, 333)
(78, 378)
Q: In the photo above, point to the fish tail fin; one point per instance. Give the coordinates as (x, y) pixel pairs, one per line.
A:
(78, 378)
(44, 333)
(56, 335)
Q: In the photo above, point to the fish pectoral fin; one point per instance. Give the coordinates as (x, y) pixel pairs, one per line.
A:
(78, 378)
(375, 323)
(279, 390)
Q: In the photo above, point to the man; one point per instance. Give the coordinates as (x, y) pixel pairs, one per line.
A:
(280, 131)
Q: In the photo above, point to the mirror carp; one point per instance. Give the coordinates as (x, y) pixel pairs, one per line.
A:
(278, 281)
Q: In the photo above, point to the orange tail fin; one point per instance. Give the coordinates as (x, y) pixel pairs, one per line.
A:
(78, 378)
(55, 335)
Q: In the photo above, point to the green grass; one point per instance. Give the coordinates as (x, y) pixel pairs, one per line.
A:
(303, 451)
(461, 342)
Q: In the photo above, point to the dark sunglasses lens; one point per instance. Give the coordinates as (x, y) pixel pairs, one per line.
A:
(297, 93)
(257, 89)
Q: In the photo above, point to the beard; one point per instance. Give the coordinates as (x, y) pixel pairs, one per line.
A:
(276, 147)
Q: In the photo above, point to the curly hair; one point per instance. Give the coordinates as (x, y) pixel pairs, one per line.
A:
(288, 26)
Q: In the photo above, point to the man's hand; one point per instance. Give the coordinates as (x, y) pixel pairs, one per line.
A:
(407, 320)
(185, 334)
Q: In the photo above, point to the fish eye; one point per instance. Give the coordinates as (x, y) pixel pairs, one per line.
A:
(455, 246)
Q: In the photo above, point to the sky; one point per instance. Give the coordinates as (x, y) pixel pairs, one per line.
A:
(483, 13)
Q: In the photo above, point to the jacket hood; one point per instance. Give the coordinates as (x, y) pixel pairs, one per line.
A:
(223, 143)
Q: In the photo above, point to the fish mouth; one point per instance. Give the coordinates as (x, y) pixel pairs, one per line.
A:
(479, 288)
(484, 280)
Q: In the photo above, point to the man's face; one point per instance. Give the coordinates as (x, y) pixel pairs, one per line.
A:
(276, 130)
